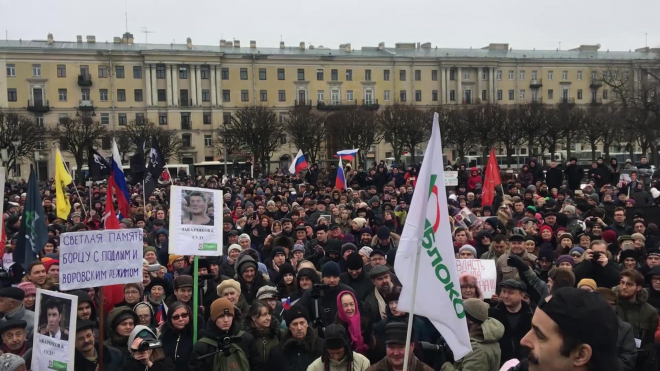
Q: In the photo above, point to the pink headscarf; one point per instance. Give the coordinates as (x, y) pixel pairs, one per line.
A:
(354, 326)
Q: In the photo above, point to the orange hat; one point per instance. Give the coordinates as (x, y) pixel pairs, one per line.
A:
(173, 258)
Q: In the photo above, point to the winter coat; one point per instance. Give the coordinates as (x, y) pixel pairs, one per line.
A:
(163, 364)
(266, 340)
(537, 171)
(510, 341)
(294, 355)
(113, 360)
(626, 349)
(554, 177)
(525, 178)
(415, 365)
(327, 303)
(473, 180)
(607, 276)
(360, 363)
(362, 284)
(178, 345)
(641, 197)
(22, 314)
(247, 344)
(485, 354)
(643, 318)
(574, 175)
(420, 331)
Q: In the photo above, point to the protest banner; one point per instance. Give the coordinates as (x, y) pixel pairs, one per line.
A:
(100, 258)
(54, 331)
(451, 178)
(483, 270)
(195, 221)
(466, 219)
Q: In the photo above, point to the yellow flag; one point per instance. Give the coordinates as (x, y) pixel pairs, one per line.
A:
(62, 179)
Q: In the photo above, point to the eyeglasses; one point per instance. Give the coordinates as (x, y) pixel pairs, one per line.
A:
(177, 316)
(627, 284)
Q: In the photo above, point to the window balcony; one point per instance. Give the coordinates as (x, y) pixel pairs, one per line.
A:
(186, 102)
(86, 105)
(595, 83)
(535, 84)
(370, 104)
(566, 100)
(537, 100)
(84, 80)
(38, 106)
(336, 105)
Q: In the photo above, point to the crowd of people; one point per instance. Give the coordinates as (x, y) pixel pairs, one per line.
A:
(306, 280)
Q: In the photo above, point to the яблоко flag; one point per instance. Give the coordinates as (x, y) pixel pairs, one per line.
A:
(427, 232)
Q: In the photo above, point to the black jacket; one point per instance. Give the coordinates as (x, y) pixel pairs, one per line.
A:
(607, 276)
(327, 304)
(554, 177)
(510, 341)
(362, 284)
(113, 360)
(294, 355)
(574, 175)
(247, 344)
(178, 345)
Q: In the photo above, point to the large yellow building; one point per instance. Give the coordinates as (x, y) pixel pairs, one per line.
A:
(193, 89)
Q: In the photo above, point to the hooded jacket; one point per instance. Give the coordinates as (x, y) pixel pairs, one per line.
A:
(266, 340)
(178, 344)
(114, 339)
(362, 284)
(113, 360)
(485, 355)
(294, 355)
(641, 315)
(247, 344)
(481, 248)
(250, 291)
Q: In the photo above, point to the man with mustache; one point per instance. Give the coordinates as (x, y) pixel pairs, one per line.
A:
(375, 304)
(86, 355)
(575, 330)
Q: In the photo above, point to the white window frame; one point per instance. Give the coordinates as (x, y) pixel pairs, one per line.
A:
(511, 75)
(335, 96)
(522, 74)
(11, 70)
(320, 95)
(551, 74)
(467, 75)
(36, 70)
(579, 75)
(564, 75)
(499, 75)
(349, 95)
(208, 140)
(521, 94)
(386, 95)
(535, 75)
(368, 96)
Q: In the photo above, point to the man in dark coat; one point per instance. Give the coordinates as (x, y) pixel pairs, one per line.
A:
(516, 316)
(602, 270)
(300, 346)
(356, 277)
(536, 171)
(87, 351)
(554, 177)
(574, 174)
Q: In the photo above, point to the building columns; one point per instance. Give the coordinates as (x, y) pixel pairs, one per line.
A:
(443, 84)
(147, 85)
(154, 85)
(175, 85)
(198, 77)
(193, 84)
(213, 88)
(459, 87)
(168, 84)
(491, 85)
(478, 95)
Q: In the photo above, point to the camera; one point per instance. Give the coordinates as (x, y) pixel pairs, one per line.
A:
(596, 256)
(226, 342)
(147, 345)
(317, 288)
(153, 267)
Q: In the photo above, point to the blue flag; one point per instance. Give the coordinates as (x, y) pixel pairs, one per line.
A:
(32, 234)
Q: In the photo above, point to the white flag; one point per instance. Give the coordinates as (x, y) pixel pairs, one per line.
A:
(427, 232)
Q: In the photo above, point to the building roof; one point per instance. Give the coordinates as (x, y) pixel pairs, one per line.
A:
(369, 52)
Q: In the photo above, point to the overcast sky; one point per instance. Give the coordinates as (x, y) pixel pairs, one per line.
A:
(524, 24)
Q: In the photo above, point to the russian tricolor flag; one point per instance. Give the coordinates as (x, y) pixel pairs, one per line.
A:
(120, 181)
(286, 303)
(347, 154)
(340, 182)
(299, 163)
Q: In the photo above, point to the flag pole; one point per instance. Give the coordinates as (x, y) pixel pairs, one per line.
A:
(195, 296)
(101, 305)
(406, 359)
(74, 186)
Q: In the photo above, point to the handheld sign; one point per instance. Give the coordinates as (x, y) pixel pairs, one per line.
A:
(100, 258)
(195, 221)
(451, 178)
(54, 331)
(483, 270)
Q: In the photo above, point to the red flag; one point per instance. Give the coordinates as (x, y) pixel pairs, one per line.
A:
(110, 217)
(3, 237)
(492, 180)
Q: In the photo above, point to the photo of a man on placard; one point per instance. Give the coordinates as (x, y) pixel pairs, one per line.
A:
(195, 206)
(51, 322)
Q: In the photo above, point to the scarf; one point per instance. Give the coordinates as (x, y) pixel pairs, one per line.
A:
(381, 303)
(354, 326)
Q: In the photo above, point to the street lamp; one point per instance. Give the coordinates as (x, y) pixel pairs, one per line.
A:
(37, 157)
(16, 144)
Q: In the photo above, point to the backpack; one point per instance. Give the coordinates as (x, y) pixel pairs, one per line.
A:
(237, 359)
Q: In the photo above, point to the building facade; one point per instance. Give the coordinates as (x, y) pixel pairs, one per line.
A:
(195, 89)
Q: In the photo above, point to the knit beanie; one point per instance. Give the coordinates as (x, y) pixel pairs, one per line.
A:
(227, 284)
(233, 247)
(354, 261)
(476, 310)
(366, 251)
(28, 288)
(566, 258)
(609, 236)
(138, 286)
(587, 282)
(348, 246)
(296, 311)
(630, 253)
(468, 248)
(577, 249)
(244, 263)
(544, 228)
(149, 248)
(173, 258)
(331, 269)
(11, 362)
(287, 268)
(546, 254)
(221, 306)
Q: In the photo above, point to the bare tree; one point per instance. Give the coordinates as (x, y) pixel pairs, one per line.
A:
(551, 136)
(390, 121)
(485, 120)
(307, 129)
(169, 142)
(455, 132)
(140, 130)
(14, 128)
(76, 135)
(591, 130)
(355, 128)
(257, 130)
(570, 120)
(510, 134)
(417, 130)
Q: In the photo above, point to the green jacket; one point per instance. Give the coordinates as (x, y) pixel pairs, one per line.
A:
(642, 316)
(485, 355)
